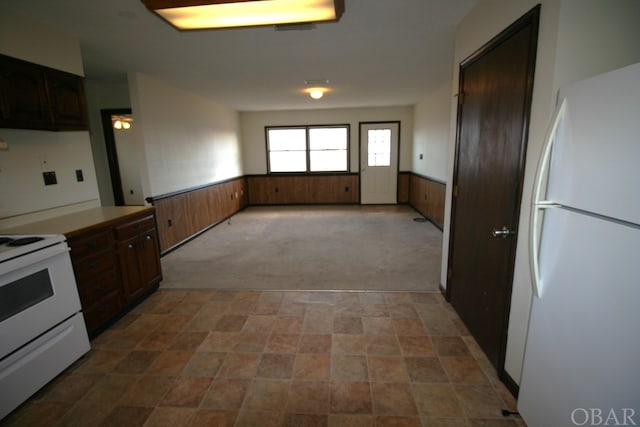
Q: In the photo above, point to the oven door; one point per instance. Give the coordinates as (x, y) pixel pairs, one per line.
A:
(37, 292)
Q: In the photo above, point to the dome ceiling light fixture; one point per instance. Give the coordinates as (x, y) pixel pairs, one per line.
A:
(318, 87)
(208, 14)
(316, 93)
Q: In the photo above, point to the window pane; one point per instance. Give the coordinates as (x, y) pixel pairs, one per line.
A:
(379, 159)
(379, 147)
(328, 138)
(328, 160)
(288, 161)
(308, 148)
(287, 139)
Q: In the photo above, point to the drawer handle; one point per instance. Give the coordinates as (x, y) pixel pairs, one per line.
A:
(130, 245)
(149, 237)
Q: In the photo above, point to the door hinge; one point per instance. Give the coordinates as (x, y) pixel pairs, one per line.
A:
(455, 191)
(449, 274)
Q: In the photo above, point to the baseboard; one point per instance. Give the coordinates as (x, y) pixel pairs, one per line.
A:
(511, 385)
(426, 216)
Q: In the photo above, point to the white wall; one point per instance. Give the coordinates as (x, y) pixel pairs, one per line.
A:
(431, 120)
(253, 136)
(595, 37)
(33, 152)
(185, 140)
(577, 39)
(129, 165)
(25, 38)
(104, 95)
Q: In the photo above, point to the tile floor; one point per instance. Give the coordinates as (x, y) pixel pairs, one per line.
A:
(213, 358)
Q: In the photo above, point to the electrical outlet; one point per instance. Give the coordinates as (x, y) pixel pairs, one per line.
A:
(79, 175)
(49, 178)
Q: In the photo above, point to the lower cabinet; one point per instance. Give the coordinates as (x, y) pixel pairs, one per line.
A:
(115, 264)
(139, 257)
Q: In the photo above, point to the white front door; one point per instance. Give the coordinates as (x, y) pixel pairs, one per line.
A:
(379, 163)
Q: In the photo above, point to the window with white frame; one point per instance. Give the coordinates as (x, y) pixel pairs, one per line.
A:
(308, 148)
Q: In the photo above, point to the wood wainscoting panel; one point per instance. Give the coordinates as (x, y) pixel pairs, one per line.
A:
(183, 215)
(404, 179)
(173, 226)
(198, 210)
(261, 190)
(332, 189)
(214, 200)
(290, 189)
(427, 196)
(303, 189)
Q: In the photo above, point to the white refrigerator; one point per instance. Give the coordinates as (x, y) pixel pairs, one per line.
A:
(582, 356)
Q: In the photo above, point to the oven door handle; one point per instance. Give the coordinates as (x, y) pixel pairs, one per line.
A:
(32, 258)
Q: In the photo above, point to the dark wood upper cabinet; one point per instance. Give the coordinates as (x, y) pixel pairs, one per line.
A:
(41, 98)
(23, 95)
(67, 100)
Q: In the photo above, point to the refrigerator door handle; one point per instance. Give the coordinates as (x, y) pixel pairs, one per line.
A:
(537, 203)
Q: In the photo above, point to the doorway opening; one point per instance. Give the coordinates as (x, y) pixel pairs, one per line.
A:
(122, 155)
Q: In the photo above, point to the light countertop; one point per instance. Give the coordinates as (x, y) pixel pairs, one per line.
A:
(75, 222)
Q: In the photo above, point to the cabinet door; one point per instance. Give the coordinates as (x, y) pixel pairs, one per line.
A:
(149, 258)
(68, 105)
(134, 287)
(23, 95)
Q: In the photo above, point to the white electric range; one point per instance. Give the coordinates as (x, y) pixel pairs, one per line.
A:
(42, 330)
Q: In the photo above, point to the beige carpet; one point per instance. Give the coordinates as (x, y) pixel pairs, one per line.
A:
(311, 248)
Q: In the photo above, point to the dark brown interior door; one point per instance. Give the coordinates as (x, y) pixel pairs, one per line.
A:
(494, 101)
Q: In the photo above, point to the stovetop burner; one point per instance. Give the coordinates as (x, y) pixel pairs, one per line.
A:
(16, 245)
(25, 241)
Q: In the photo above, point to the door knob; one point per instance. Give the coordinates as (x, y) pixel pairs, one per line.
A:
(504, 232)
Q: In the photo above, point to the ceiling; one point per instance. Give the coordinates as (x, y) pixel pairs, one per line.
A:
(380, 53)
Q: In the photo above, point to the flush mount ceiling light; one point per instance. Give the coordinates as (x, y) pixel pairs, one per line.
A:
(204, 14)
(316, 93)
(318, 87)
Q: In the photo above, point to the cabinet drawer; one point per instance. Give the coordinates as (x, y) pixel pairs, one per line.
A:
(133, 228)
(102, 311)
(90, 245)
(88, 268)
(91, 291)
